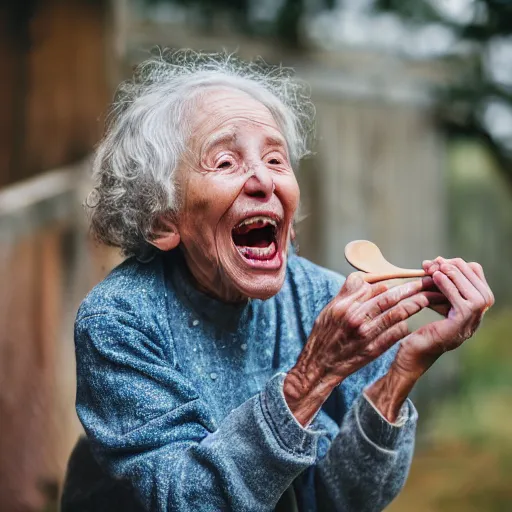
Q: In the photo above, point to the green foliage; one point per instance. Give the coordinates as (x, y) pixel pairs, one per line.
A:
(479, 412)
(486, 364)
(461, 105)
(285, 27)
(465, 460)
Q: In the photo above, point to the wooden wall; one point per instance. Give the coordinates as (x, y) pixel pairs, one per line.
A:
(53, 89)
(378, 174)
(53, 93)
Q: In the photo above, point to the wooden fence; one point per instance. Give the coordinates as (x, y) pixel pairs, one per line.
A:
(47, 264)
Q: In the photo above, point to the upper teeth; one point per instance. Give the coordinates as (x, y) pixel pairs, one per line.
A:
(258, 219)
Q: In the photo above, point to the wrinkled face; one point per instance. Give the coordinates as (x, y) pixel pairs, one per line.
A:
(239, 195)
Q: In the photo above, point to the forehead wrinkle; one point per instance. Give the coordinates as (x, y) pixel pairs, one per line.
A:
(230, 134)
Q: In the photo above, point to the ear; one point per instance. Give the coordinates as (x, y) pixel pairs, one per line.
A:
(165, 236)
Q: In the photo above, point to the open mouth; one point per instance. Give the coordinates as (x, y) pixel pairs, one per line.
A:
(256, 238)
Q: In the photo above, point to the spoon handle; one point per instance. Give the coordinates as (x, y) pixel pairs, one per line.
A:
(402, 274)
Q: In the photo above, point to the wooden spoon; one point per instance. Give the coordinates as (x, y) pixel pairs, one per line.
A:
(366, 256)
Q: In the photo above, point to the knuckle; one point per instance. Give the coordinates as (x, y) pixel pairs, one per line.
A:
(382, 304)
(448, 269)
(421, 301)
(393, 297)
(364, 330)
(410, 307)
(476, 266)
(380, 287)
(353, 282)
(366, 287)
(395, 315)
(403, 330)
(337, 308)
(353, 322)
(458, 261)
(387, 323)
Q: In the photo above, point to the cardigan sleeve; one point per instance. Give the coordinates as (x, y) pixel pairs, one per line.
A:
(368, 461)
(148, 426)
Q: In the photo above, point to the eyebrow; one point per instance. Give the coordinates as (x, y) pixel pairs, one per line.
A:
(275, 141)
(221, 138)
(230, 137)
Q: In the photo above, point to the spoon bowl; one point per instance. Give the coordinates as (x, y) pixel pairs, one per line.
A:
(367, 257)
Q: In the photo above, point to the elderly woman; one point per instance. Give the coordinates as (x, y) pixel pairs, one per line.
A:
(217, 370)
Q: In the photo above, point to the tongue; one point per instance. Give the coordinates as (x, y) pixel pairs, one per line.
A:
(259, 253)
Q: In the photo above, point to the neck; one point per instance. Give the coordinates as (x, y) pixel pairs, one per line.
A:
(212, 283)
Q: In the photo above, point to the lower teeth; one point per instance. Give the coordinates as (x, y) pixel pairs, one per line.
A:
(252, 252)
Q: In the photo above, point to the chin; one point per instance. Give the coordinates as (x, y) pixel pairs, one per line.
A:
(262, 287)
(256, 281)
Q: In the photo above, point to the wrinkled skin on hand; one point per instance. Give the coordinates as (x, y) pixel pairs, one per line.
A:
(469, 296)
(357, 326)
(365, 320)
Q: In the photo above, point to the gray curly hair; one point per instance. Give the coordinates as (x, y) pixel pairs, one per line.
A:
(147, 132)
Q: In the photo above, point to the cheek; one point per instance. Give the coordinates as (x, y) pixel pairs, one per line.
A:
(289, 192)
(207, 197)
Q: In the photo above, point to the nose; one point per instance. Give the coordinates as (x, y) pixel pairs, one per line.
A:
(260, 184)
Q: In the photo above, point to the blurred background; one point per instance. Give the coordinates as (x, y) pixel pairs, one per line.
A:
(414, 152)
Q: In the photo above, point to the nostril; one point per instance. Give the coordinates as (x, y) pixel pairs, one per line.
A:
(260, 194)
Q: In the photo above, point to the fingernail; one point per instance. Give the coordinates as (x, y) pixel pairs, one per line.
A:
(426, 263)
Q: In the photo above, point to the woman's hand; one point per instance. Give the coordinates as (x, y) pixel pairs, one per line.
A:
(357, 326)
(469, 296)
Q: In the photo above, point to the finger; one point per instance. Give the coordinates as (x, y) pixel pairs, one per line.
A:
(386, 300)
(481, 286)
(428, 283)
(347, 304)
(354, 284)
(449, 290)
(479, 271)
(465, 287)
(379, 288)
(430, 266)
(402, 311)
(438, 302)
(387, 339)
(435, 264)
(356, 288)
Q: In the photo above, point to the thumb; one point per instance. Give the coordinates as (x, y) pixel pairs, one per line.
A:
(355, 285)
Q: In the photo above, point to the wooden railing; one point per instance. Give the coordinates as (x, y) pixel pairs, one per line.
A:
(47, 264)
